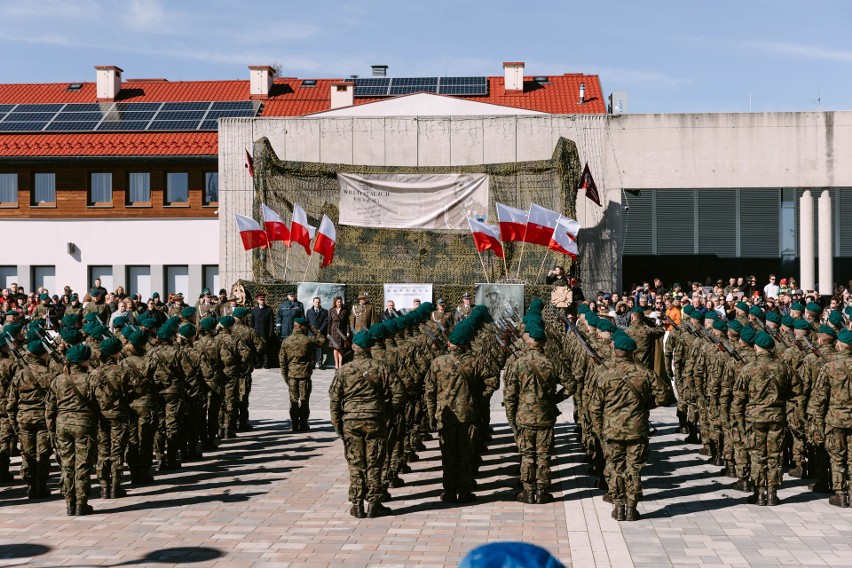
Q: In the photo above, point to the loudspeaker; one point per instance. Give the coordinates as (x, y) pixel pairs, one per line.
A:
(72, 248)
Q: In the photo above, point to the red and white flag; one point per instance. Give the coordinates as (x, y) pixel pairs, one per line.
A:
(300, 231)
(513, 223)
(486, 237)
(563, 238)
(251, 233)
(587, 182)
(250, 163)
(326, 239)
(276, 229)
(540, 226)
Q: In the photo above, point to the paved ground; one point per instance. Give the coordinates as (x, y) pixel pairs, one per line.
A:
(272, 498)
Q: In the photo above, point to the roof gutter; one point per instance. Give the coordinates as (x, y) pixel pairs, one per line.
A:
(42, 159)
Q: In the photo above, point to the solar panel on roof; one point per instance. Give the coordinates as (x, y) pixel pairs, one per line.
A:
(371, 91)
(6, 108)
(372, 82)
(71, 126)
(195, 115)
(464, 80)
(40, 108)
(209, 125)
(9, 126)
(124, 125)
(30, 116)
(137, 106)
(394, 86)
(186, 106)
(87, 107)
(78, 117)
(408, 89)
(407, 81)
(214, 114)
(173, 125)
(128, 116)
(463, 86)
(233, 105)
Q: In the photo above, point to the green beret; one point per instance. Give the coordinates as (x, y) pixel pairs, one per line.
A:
(774, 317)
(69, 320)
(298, 321)
(32, 334)
(845, 336)
(711, 315)
(848, 311)
(583, 309)
(228, 321)
(624, 342)
(36, 323)
(813, 307)
(90, 317)
(755, 311)
(12, 313)
(720, 325)
(827, 330)
(735, 326)
(99, 332)
(110, 346)
(137, 339)
(764, 340)
(835, 318)
(74, 297)
(187, 330)
(536, 305)
(42, 297)
(802, 324)
(94, 292)
(120, 321)
(127, 331)
(637, 310)
(241, 312)
(35, 347)
(71, 336)
(592, 319)
(788, 321)
(462, 334)
(605, 326)
(208, 324)
(78, 353)
(189, 311)
(537, 334)
(166, 332)
(747, 335)
(427, 307)
(155, 295)
(223, 291)
(173, 321)
(13, 329)
(688, 309)
(742, 306)
(378, 331)
(146, 321)
(697, 316)
(797, 307)
(363, 340)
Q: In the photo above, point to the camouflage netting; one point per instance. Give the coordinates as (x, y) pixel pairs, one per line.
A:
(366, 258)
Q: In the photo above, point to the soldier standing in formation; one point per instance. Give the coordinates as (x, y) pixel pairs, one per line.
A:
(297, 365)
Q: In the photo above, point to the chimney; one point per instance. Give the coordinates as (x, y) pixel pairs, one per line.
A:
(109, 81)
(513, 76)
(582, 93)
(342, 94)
(380, 70)
(260, 81)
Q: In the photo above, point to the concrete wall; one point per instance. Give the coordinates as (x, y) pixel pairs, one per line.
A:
(706, 151)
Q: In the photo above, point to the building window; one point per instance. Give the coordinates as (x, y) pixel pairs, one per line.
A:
(8, 189)
(211, 188)
(44, 277)
(177, 280)
(44, 189)
(8, 274)
(102, 273)
(139, 188)
(177, 189)
(139, 281)
(100, 190)
(211, 279)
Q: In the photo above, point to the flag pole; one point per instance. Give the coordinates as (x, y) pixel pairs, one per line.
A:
(521, 259)
(505, 266)
(286, 260)
(308, 265)
(272, 259)
(479, 254)
(540, 268)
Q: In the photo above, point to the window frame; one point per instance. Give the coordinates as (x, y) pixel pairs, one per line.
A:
(33, 200)
(143, 204)
(91, 201)
(204, 201)
(168, 202)
(13, 204)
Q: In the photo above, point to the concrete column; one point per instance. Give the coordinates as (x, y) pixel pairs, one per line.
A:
(25, 277)
(119, 277)
(806, 241)
(826, 258)
(196, 282)
(158, 281)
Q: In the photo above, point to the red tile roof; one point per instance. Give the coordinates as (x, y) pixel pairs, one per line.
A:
(560, 95)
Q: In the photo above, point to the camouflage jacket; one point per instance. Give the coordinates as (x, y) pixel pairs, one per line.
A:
(28, 389)
(530, 394)
(247, 335)
(296, 356)
(233, 353)
(645, 337)
(395, 364)
(71, 399)
(832, 393)
(623, 396)
(809, 373)
(113, 384)
(209, 362)
(455, 384)
(166, 369)
(189, 359)
(141, 382)
(363, 389)
(9, 365)
(730, 375)
(762, 390)
(102, 310)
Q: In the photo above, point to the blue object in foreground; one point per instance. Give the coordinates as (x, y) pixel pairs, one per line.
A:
(509, 555)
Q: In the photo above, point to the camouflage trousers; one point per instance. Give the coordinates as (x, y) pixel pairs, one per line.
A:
(230, 404)
(681, 392)
(765, 447)
(77, 446)
(170, 425)
(715, 430)
(35, 448)
(736, 441)
(140, 443)
(395, 448)
(536, 448)
(6, 435)
(625, 460)
(243, 399)
(214, 404)
(364, 443)
(458, 447)
(195, 426)
(112, 442)
(300, 399)
(798, 439)
(838, 443)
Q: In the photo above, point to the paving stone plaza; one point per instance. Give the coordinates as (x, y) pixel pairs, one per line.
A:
(275, 498)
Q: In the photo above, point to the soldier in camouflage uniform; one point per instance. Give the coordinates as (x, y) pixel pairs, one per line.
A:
(211, 371)
(819, 465)
(530, 397)
(297, 365)
(113, 387)
(25, 404)
(832, 413)
(234, 355)
(142, 409)
(713, 377)
(760, 409)
(72, 413)
(247, 335)
(361, 397)
(97, 306)
(195, 392)
(645, 336)
(454, 386)
(796, 405)
(169, 380)
(9, 365)
(734, 451)
(682, 363)
(623, 396)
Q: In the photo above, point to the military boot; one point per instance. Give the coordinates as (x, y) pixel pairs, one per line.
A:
(682, 428)
(527, 497)
(70, 506)
(692, 438)
(83, 509)
(772, 499)
(357, 510)
(797, 472)
(105, 490)
(376, 510)
(171, 456)
(304, 415)
(839, 500)
(117, 491)
(5, 475)
(543, 497)
(32, 491)
(466, 497)
(758, 497)
(731, 471)
(619, 513)
(630, 512)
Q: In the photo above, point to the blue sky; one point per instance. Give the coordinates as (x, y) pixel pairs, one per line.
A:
(677, 56)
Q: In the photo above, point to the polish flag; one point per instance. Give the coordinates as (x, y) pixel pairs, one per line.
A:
(250, 163)
(486, 237)
(564, 237)
(541, 224)
(251, 233)
(276, 229)
(513, 223)
(326, 239)
(300, 231)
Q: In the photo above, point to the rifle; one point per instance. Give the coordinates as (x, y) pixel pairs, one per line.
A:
(434, 339)
(690, 329)
(777, 335)
(581, 337)
(510, 326)
(507, 347)
(54, 354)
(12, 347)
(44, 337)
(671, 321)
(723, 347)
(811, 347)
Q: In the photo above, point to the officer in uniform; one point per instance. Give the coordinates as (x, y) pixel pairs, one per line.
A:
(440, 315)
(463, 310)
(288, 310)
(297, 365)
(112, 387)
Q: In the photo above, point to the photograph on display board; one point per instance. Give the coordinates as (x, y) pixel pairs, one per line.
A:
(403, 295)
(502, 300)
(325, 291)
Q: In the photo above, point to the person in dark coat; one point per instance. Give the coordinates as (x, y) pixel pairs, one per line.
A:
(263, 323)
(290, 309)
(317, 324)
(338, 330)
